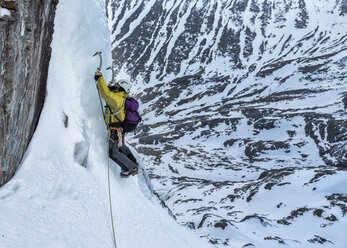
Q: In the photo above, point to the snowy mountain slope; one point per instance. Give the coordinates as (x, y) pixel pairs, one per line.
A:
(244, 106)
(53, 201)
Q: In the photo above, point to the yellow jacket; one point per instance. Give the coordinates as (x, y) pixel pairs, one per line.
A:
(115, 100)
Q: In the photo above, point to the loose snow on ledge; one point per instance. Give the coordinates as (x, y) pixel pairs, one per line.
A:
(53, 201)
(4, 12)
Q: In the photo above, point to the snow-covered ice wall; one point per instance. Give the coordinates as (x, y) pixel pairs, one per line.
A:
(53, 201)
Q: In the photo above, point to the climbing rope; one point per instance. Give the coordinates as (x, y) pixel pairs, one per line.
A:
(109, 190)
(108, 159)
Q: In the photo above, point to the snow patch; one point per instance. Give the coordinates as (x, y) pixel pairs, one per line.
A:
(4, 12)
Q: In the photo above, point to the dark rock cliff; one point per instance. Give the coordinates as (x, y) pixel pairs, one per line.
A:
(25, 38)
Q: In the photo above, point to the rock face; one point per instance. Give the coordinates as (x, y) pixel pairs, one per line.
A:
(25, 37)
(244, 108)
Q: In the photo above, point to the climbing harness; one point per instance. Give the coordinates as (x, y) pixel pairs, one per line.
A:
(119, 134)
(108, 155)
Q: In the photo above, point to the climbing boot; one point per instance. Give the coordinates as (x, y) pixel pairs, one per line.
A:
(125, 174)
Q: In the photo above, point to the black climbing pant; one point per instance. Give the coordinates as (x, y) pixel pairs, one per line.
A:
(121, 155)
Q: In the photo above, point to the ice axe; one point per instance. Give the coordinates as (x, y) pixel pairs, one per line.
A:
(99, 69)
(100, 56)
(112, 69)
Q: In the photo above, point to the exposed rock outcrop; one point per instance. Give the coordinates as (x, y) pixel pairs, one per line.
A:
(25, 37)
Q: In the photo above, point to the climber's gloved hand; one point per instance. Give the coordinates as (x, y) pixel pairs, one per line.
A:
(97, 75)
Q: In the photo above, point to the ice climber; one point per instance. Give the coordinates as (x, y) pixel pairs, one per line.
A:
(115, 95)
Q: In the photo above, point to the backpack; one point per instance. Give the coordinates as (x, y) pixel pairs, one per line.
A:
(132, 116)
